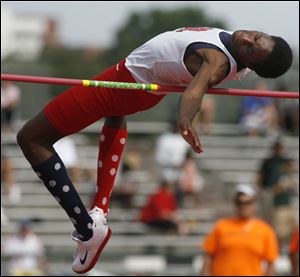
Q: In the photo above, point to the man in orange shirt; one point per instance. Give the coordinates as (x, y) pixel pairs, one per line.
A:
(239, 245)
(294, 252)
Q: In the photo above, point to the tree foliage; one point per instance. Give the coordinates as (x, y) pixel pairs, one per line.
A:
(72, 63)
(142, 26)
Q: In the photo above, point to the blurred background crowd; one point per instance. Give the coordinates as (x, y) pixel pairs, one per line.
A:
(171, 210)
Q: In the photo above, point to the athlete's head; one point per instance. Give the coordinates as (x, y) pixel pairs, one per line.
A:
(268, 56)
(244, 200)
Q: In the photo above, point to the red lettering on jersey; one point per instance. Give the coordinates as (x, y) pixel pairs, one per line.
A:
(194, 29)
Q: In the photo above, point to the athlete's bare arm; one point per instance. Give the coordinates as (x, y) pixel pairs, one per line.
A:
(213, 69)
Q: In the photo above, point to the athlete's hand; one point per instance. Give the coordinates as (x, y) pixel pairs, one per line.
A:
(189, 134)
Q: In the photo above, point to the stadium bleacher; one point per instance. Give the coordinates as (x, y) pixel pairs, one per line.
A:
(229, 158)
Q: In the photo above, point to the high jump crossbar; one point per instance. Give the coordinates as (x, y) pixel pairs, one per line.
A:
(148, 87)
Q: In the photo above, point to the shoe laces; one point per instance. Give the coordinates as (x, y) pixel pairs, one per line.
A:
(97, 214)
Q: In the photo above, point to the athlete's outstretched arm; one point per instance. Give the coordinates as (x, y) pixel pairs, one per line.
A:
(210, 73)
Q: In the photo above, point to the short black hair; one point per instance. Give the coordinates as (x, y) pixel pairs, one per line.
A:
(278, 62)
(237, 196)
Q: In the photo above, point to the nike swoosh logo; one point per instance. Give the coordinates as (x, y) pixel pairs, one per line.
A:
(82, 261)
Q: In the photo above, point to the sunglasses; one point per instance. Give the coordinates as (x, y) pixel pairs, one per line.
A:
(243, 203)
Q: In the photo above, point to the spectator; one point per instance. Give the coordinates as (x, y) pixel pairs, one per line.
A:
(285, 214)
(259, 114)
(124, 188)
(294, 252)
(190, 182)
(289, 112)
(4, 218)
(206, 116)
(160, 210)
(239, 245)
(268, 176)
(10, 97)
(7, 179)
(26, 252)
(170, 154)
(67, 151)
(292, 117)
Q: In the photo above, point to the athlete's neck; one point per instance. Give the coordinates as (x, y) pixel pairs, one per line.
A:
(227, 41)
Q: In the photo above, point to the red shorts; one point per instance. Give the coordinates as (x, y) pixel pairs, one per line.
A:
(79, 107)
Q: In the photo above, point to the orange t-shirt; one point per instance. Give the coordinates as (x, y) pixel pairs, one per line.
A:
(294, 245)
(238, 247)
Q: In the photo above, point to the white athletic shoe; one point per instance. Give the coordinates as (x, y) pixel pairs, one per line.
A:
(88, 252)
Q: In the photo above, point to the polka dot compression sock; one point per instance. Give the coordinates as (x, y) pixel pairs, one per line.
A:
(111, 145)
(55, 177)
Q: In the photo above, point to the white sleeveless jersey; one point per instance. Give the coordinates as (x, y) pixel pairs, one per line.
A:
(160, 60)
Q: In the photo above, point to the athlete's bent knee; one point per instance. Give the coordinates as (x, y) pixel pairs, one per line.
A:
(23, 138)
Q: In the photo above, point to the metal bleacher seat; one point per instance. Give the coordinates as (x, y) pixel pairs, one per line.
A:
(229, 158)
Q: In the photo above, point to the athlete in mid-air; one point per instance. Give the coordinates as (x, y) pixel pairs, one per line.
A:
(197, 57)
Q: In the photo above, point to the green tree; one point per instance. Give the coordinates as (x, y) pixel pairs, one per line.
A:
(142, 26)
(71, 63)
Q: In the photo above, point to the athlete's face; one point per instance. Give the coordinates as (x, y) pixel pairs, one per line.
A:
(251, 47)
